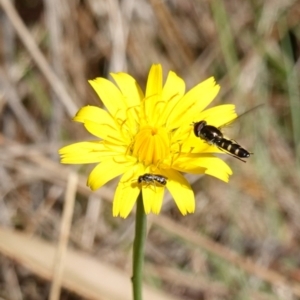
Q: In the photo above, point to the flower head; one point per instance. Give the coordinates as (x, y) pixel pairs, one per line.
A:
(149, 133)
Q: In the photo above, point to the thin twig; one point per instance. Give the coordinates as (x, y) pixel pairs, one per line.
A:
(64, 237)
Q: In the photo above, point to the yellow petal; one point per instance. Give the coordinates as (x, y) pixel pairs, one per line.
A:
(106, 132)
(220, 175)
(107, 170)
(131, 91)
(192, 102)
(127, 192)
(152, 197)
(125, 198)
(173, 91)
(133, 96)
(181, 191)
(154, 82)
(85, 153)
(111, 96)
(208, 164)
(153, 94)
(82, 147)
(217, 116)
(174, 86)
(94, 114)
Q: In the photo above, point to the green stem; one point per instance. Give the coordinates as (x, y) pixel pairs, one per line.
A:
(138, 249)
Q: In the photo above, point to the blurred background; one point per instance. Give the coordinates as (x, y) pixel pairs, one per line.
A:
(243, 242)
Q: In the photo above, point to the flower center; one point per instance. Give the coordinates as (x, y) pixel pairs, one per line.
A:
(151, 145)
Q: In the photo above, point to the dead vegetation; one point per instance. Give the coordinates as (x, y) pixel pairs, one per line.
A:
(242, 242)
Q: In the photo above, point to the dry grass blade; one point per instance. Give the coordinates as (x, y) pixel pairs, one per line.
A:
(246, 264)
(82, 274)
(19, 110)
(39, 58)
(66, 222)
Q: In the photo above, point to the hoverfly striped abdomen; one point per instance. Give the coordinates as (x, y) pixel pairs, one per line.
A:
(232, 148)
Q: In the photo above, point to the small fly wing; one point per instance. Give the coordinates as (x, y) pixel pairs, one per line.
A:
(242, 115)
(234, 129)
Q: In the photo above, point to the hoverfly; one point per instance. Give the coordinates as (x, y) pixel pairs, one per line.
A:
(214, 136)
(152, 179)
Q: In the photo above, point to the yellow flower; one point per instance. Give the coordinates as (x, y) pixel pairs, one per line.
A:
(150, 133)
